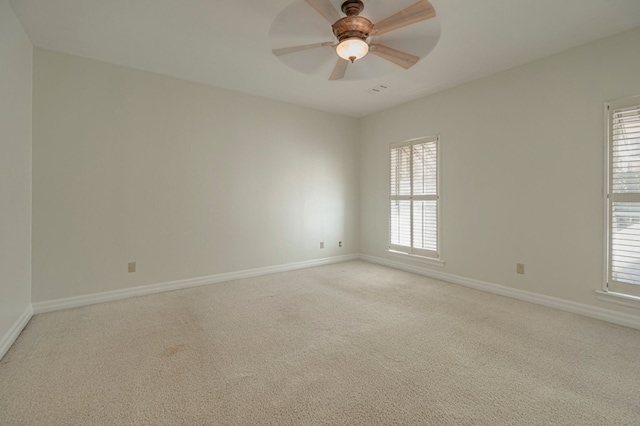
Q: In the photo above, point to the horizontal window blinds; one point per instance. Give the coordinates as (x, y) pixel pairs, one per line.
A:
(625, 157)
(624, 200)
(414, 197)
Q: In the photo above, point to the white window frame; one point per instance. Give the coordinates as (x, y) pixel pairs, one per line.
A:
(427, 256)
(613, 291)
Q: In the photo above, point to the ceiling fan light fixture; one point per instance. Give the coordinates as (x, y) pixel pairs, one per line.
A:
(352, 49)
(353, 32)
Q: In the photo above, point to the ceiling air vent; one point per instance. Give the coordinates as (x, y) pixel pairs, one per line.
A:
(377, 89)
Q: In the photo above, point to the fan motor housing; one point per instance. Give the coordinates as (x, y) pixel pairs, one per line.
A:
(352, 26)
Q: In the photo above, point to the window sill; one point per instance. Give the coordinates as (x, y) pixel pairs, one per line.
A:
(618, 298)
(422, 259)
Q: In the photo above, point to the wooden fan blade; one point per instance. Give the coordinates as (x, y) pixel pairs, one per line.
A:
(404, 59)
(326, 9)
(339, 70)
(293, 49)
(417, 12)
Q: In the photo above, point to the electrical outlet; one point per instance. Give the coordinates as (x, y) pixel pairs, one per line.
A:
(321, 244)
(339, 243)
(520, 268)
(132, 267)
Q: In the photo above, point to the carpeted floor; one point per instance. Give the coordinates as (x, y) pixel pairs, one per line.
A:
(350, 343)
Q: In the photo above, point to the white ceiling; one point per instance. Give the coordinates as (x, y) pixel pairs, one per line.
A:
(227, 43)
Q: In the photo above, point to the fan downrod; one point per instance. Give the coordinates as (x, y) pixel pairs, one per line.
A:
(352, 7)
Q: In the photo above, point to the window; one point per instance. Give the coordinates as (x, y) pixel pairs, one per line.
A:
(623, 197)
(414, 197)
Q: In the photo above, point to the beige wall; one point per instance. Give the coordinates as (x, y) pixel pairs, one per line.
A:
(184, 179)
(522, 169)
(189, 180)
(15, 169)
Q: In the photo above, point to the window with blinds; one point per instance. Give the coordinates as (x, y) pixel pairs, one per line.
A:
(414, 197)
(624, 197)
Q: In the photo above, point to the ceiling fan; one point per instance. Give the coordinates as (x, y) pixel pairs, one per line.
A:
(353, 33)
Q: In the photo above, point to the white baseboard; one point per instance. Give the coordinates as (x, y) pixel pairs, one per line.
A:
(108, 296)
(15, 330)
(608, 315)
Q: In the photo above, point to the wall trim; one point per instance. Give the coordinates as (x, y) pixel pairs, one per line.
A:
(603, 314)
(125, 293)
(12, 334)
(618, 298)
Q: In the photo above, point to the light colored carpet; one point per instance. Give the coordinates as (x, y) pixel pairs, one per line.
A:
(351, 343)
